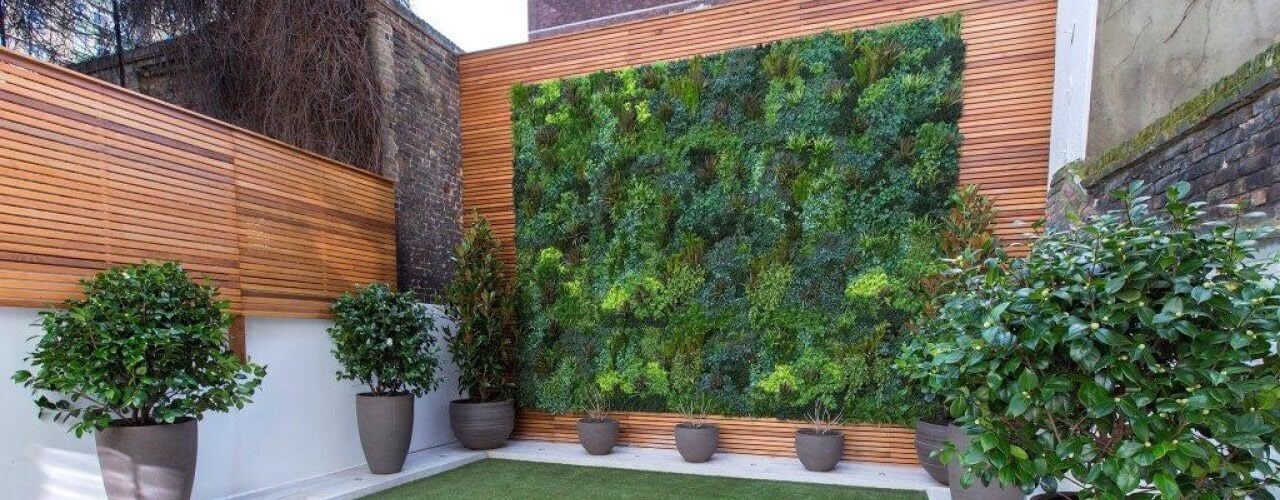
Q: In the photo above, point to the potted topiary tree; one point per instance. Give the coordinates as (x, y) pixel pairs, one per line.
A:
(821, 445)
(482, 341)
(1133, 351)
(597, 432)
(382, 338)
(138, 361)
(696, 438)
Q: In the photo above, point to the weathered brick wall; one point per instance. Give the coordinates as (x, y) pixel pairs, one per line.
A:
(558, 17)
(1229, 156)
(417, 70)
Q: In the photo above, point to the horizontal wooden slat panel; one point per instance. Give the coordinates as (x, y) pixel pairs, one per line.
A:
(95, 175)
(753, 436)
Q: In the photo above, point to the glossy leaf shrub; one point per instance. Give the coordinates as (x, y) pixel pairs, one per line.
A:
(744, 225)
(1133, 352)
(382, 338)
(481, 303)
(146, 345)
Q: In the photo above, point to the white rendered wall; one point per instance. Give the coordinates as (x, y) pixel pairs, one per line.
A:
(1072, 81)
(301, 424)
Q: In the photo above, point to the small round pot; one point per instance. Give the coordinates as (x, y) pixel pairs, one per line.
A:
(975, 491)
(929, 439)
(697, 443)
(148, 462)
(482, 425)
(386, 428)
(598, 436)
(819, 452)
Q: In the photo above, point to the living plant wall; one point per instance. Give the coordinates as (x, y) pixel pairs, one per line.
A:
(742, 231)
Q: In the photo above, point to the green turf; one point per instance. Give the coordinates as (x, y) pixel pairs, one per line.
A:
(493, 478)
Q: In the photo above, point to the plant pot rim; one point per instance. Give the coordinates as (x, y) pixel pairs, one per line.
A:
(469, 401)
(809, 431)
(691, 425)
(605, 420)
(945, 423)
(372, 395)
(120, 423)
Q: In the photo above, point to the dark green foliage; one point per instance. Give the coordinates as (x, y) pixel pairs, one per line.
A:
(480, 302)
(1134, 352)
(382, 338)
(146, 345)
(743, 226)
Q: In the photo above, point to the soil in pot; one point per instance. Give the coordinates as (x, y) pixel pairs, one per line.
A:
(975, 491)
(819, 452)
(1062, 495)
(929, 439)
(598, 435)
(482, 425)
(697, 442)
(386, 428)
(148, 462)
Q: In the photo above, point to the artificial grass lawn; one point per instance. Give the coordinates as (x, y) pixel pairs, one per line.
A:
(493, 478)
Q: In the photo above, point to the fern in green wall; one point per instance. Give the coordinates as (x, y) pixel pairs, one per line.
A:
(742, 227)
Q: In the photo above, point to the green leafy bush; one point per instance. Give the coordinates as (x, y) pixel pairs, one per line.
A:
(382, 338)
(480, 302)
(1133, 352)
(746, 225)
(146, 345)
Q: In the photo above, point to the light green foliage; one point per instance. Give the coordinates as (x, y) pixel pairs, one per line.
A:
(479, 300)
(742, 226)
(146, 345)
(1134, 352)
(382, 338)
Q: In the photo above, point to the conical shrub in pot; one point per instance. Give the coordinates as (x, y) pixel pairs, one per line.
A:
(138, 361)
(481, 341)
(382, 338)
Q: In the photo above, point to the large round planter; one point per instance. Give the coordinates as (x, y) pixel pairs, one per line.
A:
(697, 443)
(598, 436)
(819, 452)
(975, 491)
(929, 439)
(148, 462)
(482, 426)
(386, 428)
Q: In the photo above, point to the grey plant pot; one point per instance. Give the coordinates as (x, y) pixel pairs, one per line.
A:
(929, 439)
(697, 444)
(975, 491)
(819, 452)
(482, 426)
(386, 428)
(598, 436)
(148, 462)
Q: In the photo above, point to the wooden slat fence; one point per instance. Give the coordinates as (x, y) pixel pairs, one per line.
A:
(93, 175)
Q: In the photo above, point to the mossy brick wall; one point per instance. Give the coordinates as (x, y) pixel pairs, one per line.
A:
(744, 228)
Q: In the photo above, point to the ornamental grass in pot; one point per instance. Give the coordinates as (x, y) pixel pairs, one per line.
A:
(137, 362)
(820, 445)
(597, 432)
(1132, 351)
(481, 341)
(382, 338)
(696, 438)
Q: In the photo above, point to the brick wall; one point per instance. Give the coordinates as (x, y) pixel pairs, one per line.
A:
(417, 70)
(558, 17)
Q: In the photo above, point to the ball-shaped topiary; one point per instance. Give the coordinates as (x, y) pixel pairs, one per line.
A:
(146, 345)
(382, 338)
(1133, 353)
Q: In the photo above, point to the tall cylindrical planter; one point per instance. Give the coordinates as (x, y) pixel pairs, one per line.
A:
(482, 425)
(929, 439)
(598, 436)
(148, 462)
(975, 491)
(697, 443)
(386, 428)
(819, 452)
